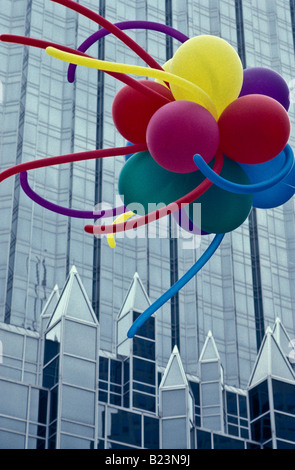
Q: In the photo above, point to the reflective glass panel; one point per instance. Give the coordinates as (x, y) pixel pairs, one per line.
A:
(10, 440)
(174, 403)
(223, 442)
(195, 388)
(285, 427)
(14, 399)
(283, 396)
(231, 403)
(151, 433)
(144, 371)
(147, 330)
(242, 406)
(78, 405)
(51, 349)
(144, 348)
(38, 405)
(103, 368)
(203, 440)
(124, 426)
(144, 401)
(50, 373)
(284, 445)
(258, 399)
(174, 433)
(260, 429)
(116, 372)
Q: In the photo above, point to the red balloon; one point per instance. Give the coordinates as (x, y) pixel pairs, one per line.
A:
(254, 129)
(133, 110)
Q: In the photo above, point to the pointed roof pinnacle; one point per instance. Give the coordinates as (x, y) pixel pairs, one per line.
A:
(270, 361)
(73, 301)
(174, 375)
(136, 298)
(209, 351)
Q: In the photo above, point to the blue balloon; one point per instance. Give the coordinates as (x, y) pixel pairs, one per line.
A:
(280, 192)
(130, 154)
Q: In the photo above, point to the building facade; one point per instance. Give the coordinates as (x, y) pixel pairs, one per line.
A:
(215, 363)
(60, 390)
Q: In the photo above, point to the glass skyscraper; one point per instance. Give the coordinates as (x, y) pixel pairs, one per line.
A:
(214, 367)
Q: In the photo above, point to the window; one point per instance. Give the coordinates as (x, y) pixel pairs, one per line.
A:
(144, 348)
(203, 440)
(285, 427)
(51, 349)
(242, 406)
(144, 371)
(103, 368)
(261, 429)
(223, 442)
(231, 403)
(147, 330)
(283, 395)
(14, 399)
(50, 373)
(110, 383)
(124, 426)
(258, 398)
(195, 388)
(144, 401)
(151, 433)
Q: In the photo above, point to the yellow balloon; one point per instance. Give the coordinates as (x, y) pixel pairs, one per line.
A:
(211, 63)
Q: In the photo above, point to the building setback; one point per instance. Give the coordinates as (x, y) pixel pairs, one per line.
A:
(214, 368)
(60, 390)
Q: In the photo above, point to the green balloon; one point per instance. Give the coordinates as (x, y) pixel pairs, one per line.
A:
(144, 182)
(223, 211)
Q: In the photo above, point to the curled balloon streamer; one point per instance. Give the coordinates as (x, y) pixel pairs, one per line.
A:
(123, 25)
(196, 92)
(191, 76)
(163, 212)
(65, 210)
(41, 44)
(177, 286)
(121, 218)
(128, 41)
(250, 188)
(69, 158)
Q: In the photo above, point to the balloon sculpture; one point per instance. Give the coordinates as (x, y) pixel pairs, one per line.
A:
(204, 130)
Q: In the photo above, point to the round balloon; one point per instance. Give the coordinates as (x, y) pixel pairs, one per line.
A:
(144, 184)
(280, 192)
(132, 110)
(211, 63)
(263, 81)
(223, 211)
(253, 129)
(179, 130)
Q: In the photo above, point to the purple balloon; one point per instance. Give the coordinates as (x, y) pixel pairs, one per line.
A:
(263, 81)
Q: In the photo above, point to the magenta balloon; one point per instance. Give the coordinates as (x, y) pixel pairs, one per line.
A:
(263, 81)
(179, 130)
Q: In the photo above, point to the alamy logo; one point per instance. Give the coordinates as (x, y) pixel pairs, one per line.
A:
(183, 226)
(291, 354)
